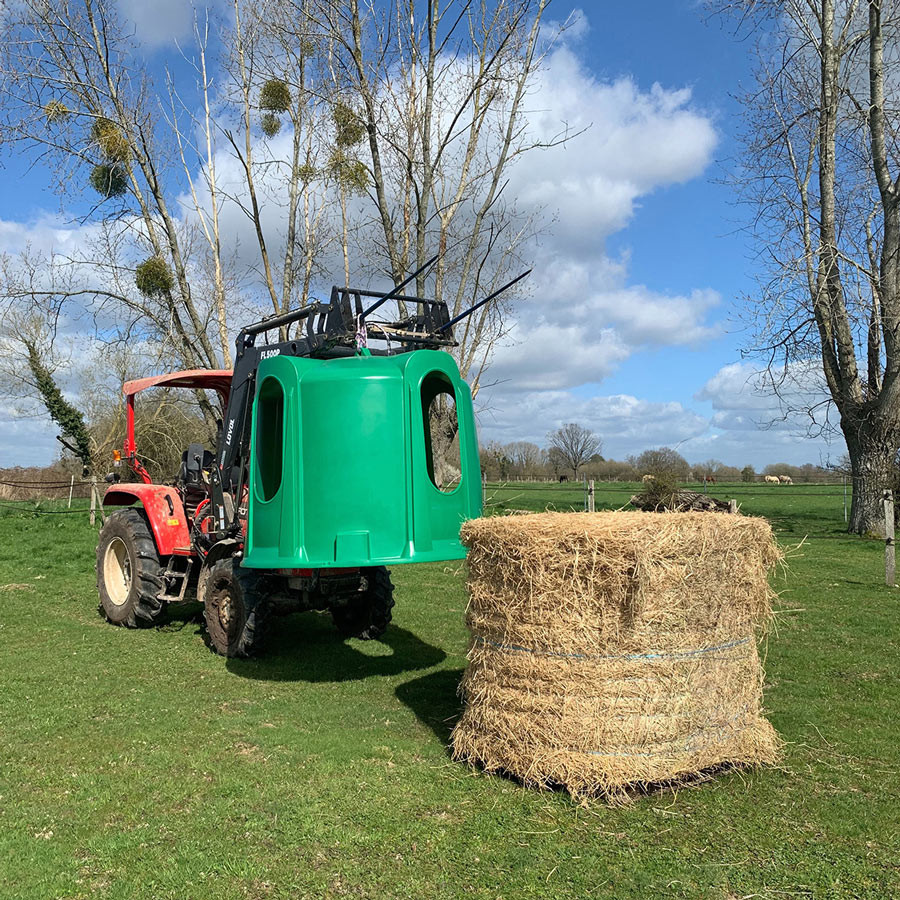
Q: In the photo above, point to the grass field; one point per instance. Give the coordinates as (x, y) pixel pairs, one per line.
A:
(136, 764)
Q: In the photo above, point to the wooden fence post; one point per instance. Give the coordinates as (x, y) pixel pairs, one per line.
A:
(890, 562)
(93, 499)
(71, 488)
(732, 506)
(591, 496)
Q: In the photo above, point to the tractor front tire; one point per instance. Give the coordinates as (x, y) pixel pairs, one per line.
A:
(367, 614)
(129, 573)
(234, 608)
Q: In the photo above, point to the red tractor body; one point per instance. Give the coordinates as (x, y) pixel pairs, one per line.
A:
(163, 505)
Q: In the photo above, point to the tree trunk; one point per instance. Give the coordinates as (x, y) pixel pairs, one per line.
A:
(872, 463)
(444, 428)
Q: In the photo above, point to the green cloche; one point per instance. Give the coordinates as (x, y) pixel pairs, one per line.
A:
(342, 472)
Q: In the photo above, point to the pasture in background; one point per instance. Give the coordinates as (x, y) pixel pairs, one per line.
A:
(138, 764)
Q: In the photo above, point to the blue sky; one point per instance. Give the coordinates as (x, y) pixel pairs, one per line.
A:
(686, 234)
(634, 324)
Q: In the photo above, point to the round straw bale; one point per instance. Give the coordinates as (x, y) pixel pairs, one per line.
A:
(611, 650)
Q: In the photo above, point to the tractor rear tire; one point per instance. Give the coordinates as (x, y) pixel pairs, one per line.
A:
(367, 614)
(129, 573)
(235, 608)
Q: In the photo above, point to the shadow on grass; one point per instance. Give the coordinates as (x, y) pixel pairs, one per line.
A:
(179, 615)
(306, 647)
(434, 700)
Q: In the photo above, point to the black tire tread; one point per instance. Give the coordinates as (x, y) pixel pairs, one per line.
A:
(253, 587)
(367, 615)
(145, 607)
(249, 590)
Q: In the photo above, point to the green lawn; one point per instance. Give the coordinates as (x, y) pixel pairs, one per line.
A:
(138, 764)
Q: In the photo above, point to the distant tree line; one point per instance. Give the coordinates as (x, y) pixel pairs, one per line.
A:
(524, 460)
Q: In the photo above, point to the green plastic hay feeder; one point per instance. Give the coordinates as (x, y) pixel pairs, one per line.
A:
(343, 474)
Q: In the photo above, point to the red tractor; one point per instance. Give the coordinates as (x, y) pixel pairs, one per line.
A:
(169, 542)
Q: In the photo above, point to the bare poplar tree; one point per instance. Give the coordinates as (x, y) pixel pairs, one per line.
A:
(154, 265)
(74, 100)
(439, 90)
(528, 458)
(574, 444)
(822, 171)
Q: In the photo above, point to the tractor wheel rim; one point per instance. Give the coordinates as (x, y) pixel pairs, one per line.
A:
(117, 571)
(225, 612)
(219, 597)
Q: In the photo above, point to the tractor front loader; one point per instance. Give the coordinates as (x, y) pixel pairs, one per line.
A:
(323, 475)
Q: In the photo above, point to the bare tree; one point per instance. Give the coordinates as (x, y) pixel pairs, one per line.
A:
(399, 126)
(574, 444)
(527, 458)
(664, 463)
(153, 265)
(438, 90)
(74, 100)
(822, 171)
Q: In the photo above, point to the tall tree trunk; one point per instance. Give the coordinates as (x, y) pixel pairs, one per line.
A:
(873, 454)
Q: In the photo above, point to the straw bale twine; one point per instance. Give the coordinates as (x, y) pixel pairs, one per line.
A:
(617, 649)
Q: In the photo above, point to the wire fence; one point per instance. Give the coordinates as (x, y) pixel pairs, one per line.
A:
(35, 509)
(30, 497)
(732, 490)
(828, 507)
(52, 497)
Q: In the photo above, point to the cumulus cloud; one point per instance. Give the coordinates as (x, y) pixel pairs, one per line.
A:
(163, 22)
(584, 321)
(626, 424)
(748, 423)
(584, 317)
(26, 441)
(756, 421)
(745, 397)
(46, 233)
(626, 142)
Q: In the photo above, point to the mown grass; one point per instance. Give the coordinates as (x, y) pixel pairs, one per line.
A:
(138, 764)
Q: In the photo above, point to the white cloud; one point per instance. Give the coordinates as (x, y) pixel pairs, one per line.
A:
(745, 397)
(627, 142)
(47, 233)
(734, 433)
(752, 423)
(584, 318)
(26, 441)
(582, 324)
(626, 424)
(748, 424)
(163, 22)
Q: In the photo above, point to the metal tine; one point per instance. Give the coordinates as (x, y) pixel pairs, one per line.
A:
(399, 287)
(481, 303)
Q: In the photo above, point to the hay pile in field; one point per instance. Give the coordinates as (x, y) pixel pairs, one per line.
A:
(617, 649)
